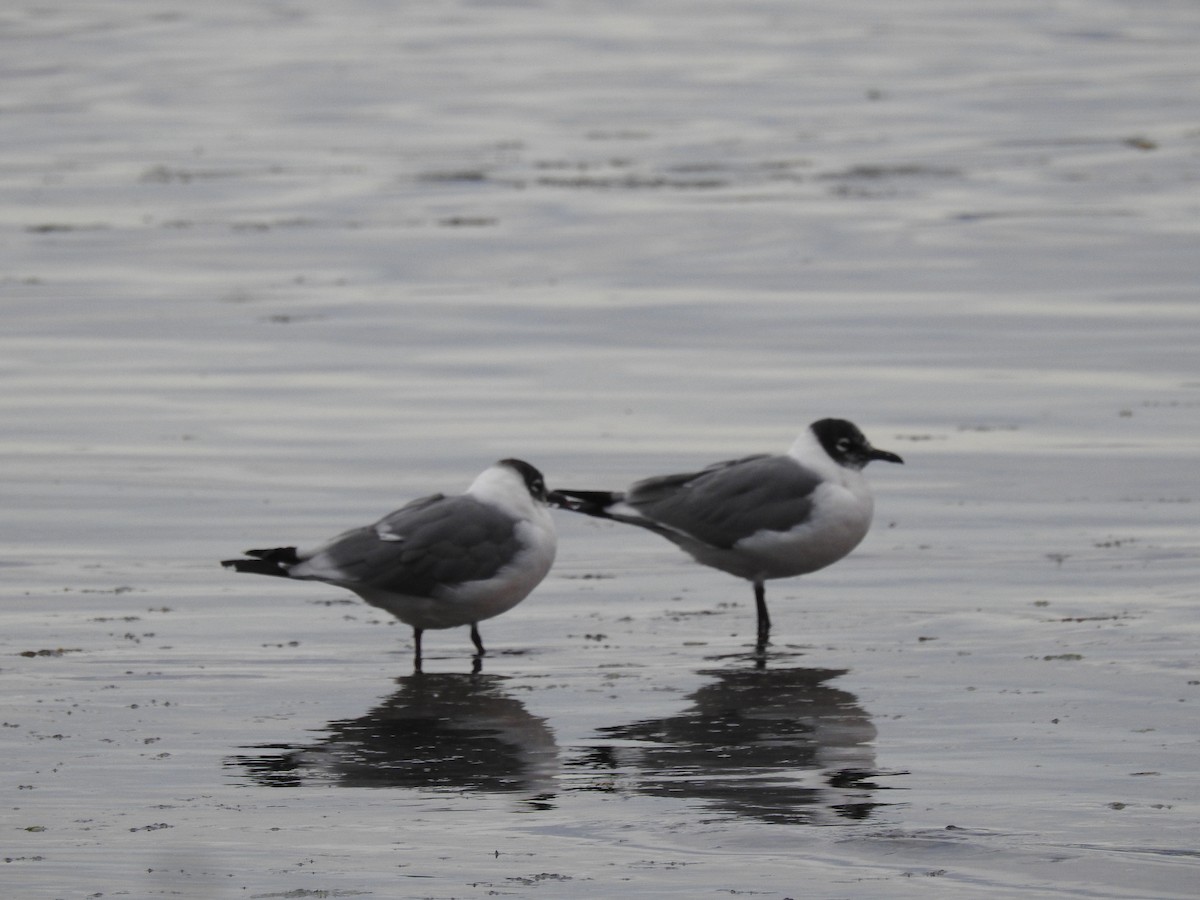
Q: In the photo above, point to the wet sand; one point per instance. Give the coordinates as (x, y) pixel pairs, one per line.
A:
(274, 271)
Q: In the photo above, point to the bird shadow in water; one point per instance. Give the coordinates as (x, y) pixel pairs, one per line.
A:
(438, 732)
(777, 745)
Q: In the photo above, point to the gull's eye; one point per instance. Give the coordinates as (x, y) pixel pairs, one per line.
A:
(843, 445)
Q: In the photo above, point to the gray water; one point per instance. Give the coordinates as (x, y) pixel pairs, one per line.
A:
(271, 270)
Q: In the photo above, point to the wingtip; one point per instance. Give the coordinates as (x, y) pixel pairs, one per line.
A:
(282, 555)
(592, 503)
(257, 566)
(273, 561)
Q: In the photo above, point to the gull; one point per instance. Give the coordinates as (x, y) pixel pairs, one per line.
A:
(759, 517)
(440, 561)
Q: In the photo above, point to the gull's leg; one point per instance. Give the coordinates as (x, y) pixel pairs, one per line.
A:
(417, 652)
(477, 641)
(764, 618)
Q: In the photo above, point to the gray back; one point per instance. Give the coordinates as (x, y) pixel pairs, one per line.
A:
(432, 542)
(729, 501)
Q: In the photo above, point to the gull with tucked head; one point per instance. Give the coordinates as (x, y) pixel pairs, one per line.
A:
(441, 561)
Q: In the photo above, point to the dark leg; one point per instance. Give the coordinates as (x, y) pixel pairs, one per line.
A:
(417, 652)
(477, 641)
(764, 618)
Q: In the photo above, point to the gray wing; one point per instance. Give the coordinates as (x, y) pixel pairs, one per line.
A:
(729, 501)
(430, 543)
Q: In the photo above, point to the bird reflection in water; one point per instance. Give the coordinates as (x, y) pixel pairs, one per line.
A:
(451, 733)
(777, 745)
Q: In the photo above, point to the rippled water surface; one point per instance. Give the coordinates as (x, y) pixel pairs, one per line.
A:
(272, 270)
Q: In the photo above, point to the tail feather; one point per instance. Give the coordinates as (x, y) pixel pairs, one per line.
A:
(275, 561)
(609, 505)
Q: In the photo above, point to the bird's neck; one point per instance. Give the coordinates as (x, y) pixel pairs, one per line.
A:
(501, 486)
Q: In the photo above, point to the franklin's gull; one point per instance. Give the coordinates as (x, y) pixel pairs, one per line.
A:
(438, 562)
(759, 517)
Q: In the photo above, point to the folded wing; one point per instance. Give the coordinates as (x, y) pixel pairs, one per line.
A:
(433, 542)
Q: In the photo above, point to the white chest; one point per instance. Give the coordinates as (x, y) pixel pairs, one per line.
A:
(841, 517)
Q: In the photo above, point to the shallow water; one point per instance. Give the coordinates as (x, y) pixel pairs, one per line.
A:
(274, 269)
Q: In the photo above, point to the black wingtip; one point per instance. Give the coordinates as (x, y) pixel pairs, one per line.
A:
(274, 561)
(591, 503)
(282, 555)
(255, 567)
